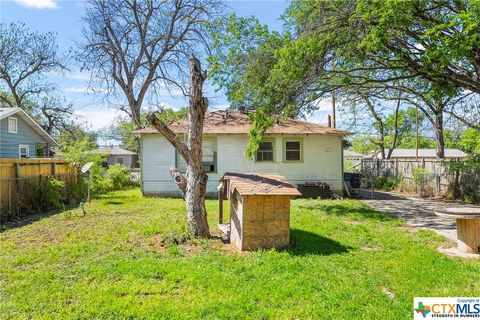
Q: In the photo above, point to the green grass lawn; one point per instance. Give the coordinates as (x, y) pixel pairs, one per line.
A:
(126, 259)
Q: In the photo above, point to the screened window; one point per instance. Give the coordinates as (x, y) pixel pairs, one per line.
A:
(120, 160)
(209, 157)
(265, 151)
(293, 151)
(23, 151)
(12, 125)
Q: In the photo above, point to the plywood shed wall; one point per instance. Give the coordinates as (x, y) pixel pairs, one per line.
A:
(259, 210)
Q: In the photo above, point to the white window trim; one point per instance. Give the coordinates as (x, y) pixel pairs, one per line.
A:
(16, 125)
(20, 146)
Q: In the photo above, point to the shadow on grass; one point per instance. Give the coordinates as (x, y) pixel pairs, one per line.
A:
(348, 210)
(114, 202)
(27, 218)
(304, 243)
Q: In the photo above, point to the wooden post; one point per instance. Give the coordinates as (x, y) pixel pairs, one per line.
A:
(17, 175)
(468, 235)
(372, 180)
(437, 182)
(9, 196)
(220, 207)
(334, 120)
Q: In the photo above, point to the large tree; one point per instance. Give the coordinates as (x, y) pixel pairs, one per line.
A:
(25, 59)
(194, 184)
(138, 49)
(346, 46)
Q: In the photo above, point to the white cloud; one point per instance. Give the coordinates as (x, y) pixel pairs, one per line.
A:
(38, 4)
(83, 90)
(100, 117)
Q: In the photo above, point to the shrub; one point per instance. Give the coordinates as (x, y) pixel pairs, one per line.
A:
(117, 177)
(49, 194)
(418, 174)
(387, 183)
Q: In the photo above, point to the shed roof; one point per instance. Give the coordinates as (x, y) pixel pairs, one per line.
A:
(8, 111)
(259, 184)
(115, 150)
(236, 122)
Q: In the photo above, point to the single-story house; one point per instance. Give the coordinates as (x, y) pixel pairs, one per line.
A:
(353, 156)
(298, 150)
(21, 136)
(116, 154)
(423, 154)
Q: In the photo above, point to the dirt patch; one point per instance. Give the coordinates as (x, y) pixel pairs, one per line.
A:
(192, 247)
(388, 293)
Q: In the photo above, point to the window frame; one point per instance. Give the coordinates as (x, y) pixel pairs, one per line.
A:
(273, 142)
(27, 147)
(120, 157)
(16, 125)
(284, 151)
(215, 158)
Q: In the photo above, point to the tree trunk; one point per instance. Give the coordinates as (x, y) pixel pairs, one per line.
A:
(440, 142)
(195, 178)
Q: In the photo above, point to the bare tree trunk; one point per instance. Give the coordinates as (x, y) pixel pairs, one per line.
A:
(380, 125)
(440, 145)
(196, 176)
(395, 134)
(194, 184)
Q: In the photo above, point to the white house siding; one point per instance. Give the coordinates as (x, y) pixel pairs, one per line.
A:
(322, 161)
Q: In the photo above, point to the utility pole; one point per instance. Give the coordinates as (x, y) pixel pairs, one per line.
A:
(416, 122)
(333, 110)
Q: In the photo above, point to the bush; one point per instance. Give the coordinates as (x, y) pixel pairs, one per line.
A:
(387, 183)
(49, 194)
(117, 177)
(418, 174)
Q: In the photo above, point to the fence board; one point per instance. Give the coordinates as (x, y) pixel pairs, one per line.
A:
(14, 170)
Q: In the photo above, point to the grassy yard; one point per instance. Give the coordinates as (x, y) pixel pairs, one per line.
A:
(128, 259)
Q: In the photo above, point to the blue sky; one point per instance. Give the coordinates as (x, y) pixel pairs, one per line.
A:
(64, 18)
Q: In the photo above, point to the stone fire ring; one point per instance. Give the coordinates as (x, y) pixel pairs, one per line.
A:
(468, 227)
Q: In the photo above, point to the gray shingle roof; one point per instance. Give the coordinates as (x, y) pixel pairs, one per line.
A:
(115, 151)
(427, 153)
(352, 154)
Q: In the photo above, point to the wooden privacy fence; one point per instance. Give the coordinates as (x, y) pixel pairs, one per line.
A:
(18, 176)
(428, 177)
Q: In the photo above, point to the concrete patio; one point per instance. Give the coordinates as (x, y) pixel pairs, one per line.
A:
(416, 211)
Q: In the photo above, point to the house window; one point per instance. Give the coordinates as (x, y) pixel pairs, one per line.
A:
(293, 151)
(265, 151)
(120, 160)
(23, 151)
(12, 125)
(209, 157)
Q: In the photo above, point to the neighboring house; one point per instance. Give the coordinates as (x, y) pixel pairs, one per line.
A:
(410, 154)
(355, 157)
(119, 155)
(21, 136)
(298, 150)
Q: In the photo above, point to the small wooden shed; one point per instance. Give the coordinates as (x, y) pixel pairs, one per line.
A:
(259, 209)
